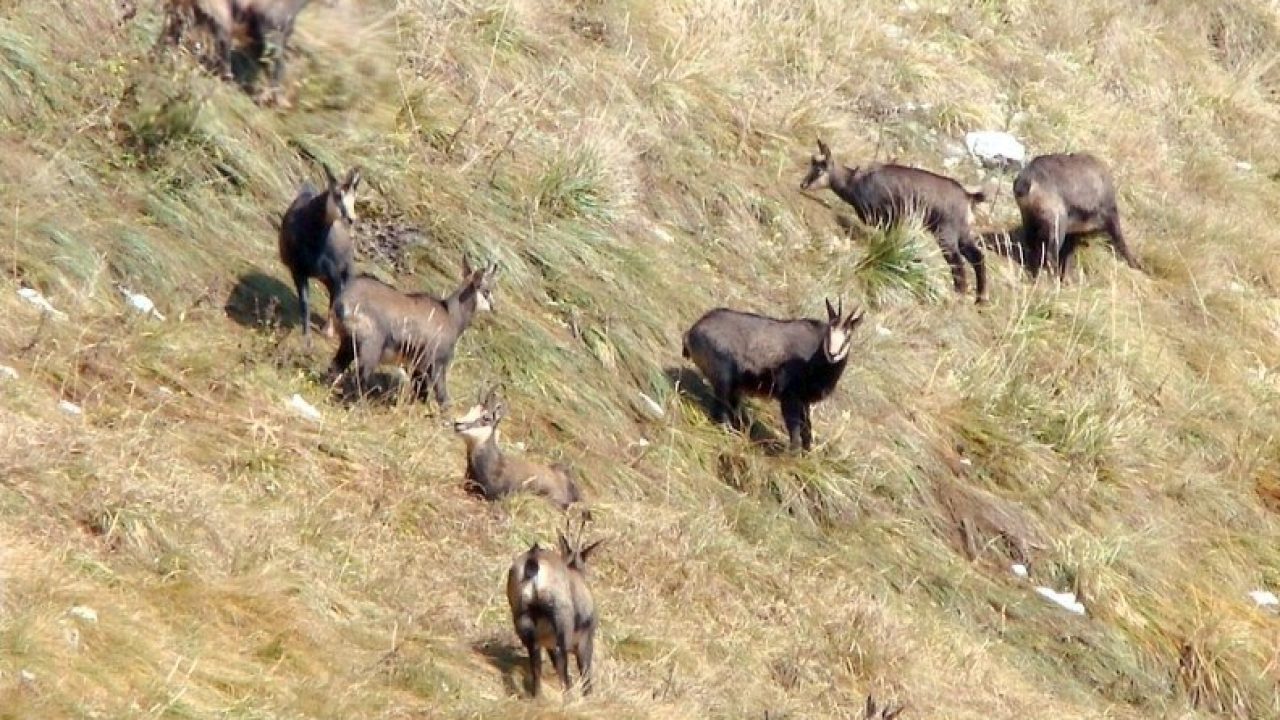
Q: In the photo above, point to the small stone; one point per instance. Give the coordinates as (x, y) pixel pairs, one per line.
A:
(304, 408)
(69, 407)
(27, 677)
(1243, 166)
(883, 331)
(993, 148)
(85, 613)
(1264, 598)
(8, 373)
(1019, 569)
(654, 408)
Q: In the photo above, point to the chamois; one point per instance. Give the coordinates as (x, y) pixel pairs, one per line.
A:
(552, 608)
(268, 24)
(493, 474)
(1064, 198)
(888, 712)
(378, 323)
(796, 362)
(886, 194)
(315, 240)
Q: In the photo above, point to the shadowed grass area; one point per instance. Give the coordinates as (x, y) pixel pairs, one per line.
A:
(629, 166)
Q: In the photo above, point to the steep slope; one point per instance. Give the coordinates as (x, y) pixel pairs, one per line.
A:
(629, 165)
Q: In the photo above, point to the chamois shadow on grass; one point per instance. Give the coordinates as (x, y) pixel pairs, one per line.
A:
(262, 302)
(690, 385)
(509, 660)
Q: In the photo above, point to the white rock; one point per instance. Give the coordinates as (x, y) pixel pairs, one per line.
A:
(995, 149)
(69, 407)
(1243, 166)
(663, 235)
(1019, 569)
(1265, 598)
(8, 373)
(654, 408)
(85, 613)
(34, 297)
(27, 677)
(519, 445)
(1066, 600)
(883, 331)
(1235, 287)
(966, 461)
(165, 390)
(140, 302)
(304, 408)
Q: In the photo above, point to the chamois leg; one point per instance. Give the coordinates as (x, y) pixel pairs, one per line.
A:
(1067, 256)
(973, 255)
(440, 383)
(1112, 228)
(528, 638)
(304, 306)
(951, 253)
(793, 415)
(342, 359)
(586, 649)
(560, 656)
(368, 355)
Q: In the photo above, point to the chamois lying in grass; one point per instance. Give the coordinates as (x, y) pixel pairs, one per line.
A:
(493, 474)
(268, 24)
(885, 195)
(1063, 199)
(796, 362)
(315, 240)
(552, 608)
(377, 323)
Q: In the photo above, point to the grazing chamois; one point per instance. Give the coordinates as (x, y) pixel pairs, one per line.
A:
(796, 362)
(1065, 198)
(888, 712)
(315, 240)
(268, 24)
(552, 608)
(885, 195)
(377, 323)
(493, 474)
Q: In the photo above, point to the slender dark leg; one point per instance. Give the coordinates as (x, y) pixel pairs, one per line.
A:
(560, 656)
(300, 282)
(973, 255)
(951, 254)
(1118, 243)
(793, 412)
(368, 355)
(586, 649)
(535, 661)
(1067, 256)
(343, 358)
(441, 387)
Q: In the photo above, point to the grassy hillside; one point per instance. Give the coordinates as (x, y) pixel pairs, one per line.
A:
(629, 165)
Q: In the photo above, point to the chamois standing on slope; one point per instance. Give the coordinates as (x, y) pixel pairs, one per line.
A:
(315, 240)
(377, 323)
(267, 23)
(886, 194)
(796, 362)
(493, 474)
(552, 608)
(1065, 198)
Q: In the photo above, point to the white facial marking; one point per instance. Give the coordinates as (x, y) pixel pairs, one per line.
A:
(837, 343)
(482, 302)
(349, 202)
(473, 414)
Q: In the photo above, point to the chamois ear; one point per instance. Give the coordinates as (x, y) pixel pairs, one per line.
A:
(855, 318)
(833, 315)
(823, 150)
(870, 711)
(466, 268)
(353, 178)
(328, 176)
(586, 552)
(499, 411)
(566, 550)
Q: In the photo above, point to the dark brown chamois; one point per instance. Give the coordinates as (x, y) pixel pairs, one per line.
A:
(493, 474)
(796, 362)
(885, 195)
(1064, 199)
(315, 240)
(552, 608)
(268, 25)
(377, 323)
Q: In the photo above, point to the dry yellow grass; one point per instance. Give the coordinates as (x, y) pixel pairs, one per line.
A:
(631, 165)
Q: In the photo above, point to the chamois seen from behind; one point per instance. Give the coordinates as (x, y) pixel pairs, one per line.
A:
(1065, 198)
(796, 362)
(493, 474)
(377, 323)
(886, 194)
(552, 608)
(268, 25)
(315, 240)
